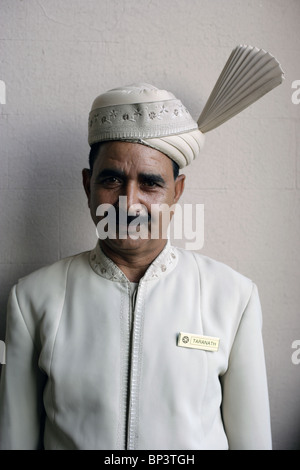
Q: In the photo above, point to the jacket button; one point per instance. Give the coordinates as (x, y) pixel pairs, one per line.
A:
(163, 267)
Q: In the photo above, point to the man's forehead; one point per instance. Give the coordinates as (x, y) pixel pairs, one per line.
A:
(128, 156)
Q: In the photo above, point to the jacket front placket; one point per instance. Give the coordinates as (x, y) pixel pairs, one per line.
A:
(132, 333)
(136, 351)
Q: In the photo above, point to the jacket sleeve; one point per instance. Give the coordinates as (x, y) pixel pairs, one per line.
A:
(21, 387)
(245, 404)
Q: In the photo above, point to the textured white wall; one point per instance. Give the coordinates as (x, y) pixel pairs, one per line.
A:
(56, 56)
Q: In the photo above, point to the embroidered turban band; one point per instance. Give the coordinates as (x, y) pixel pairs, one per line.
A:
(144, 114)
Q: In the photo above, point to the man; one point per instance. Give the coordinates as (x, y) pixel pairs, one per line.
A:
(135, 344)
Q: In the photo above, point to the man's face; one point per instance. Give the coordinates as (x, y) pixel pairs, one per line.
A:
(142, 174)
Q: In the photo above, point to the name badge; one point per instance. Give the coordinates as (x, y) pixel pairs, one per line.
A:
(206, 343)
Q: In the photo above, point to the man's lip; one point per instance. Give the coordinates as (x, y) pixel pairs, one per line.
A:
(129, 219)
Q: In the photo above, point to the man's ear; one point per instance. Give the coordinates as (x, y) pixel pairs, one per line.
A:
(86, 181)
(179, 187)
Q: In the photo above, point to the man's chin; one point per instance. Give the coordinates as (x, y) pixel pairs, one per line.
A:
(128, 243)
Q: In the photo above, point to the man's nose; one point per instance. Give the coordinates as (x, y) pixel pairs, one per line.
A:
(132, 194)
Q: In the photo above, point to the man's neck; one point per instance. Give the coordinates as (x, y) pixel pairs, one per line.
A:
(133, 263)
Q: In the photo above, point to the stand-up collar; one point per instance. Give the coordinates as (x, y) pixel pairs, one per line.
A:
(161, 266)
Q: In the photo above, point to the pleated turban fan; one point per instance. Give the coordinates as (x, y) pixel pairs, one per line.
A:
(144, 114)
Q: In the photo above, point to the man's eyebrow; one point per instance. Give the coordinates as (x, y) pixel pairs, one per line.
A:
(114, 173)
(155, 178)
(110, 173)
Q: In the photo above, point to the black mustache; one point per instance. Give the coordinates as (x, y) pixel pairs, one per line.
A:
(131, 218)
(124, 217)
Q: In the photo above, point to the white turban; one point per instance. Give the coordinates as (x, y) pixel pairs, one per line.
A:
(144, 114)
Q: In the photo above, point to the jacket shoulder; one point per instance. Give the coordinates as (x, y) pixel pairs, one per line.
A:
(39, 297)
(218, 278)
(48, 282)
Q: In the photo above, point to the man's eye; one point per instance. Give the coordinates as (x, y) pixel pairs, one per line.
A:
(149, 183)
(110, 180)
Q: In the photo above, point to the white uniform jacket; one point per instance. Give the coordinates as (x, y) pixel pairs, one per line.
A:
(90, 366)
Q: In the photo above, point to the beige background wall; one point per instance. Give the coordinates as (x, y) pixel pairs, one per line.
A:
(56, 56)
